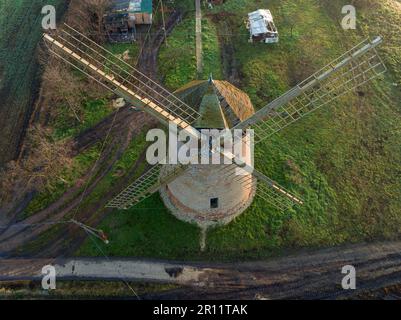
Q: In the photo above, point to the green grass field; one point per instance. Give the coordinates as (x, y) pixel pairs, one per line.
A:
(20, 32)
(79, 290)
(343, 160)
(181, 49)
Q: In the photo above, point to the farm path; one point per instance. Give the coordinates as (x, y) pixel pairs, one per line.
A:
(127, 124)
(307, 274)
(147, 61)
(230, 64)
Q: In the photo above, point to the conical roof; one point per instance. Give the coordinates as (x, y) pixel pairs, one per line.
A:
(220, 104)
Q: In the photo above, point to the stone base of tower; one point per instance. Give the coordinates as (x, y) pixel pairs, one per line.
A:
(210, 217)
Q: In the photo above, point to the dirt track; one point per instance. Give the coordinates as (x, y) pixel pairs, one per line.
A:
(127, 124)
(307, 275)
(230, 64)
(147, 61)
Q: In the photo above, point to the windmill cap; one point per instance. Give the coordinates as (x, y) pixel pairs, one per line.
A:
(220, 104)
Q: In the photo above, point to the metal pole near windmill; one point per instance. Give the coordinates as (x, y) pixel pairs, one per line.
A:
(199, 62)
(164, 22)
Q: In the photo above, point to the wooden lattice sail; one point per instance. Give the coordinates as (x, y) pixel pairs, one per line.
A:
(351, 70)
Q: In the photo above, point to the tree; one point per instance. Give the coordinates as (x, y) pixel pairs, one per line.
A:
(60, 87)
(43, 162)
(87, 16)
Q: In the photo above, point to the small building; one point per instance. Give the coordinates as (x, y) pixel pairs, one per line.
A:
(124, 15)
(261, 27)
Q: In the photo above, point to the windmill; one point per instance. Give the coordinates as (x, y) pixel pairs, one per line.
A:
(193, 193)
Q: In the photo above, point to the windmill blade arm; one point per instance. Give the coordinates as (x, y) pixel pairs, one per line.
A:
(356, 67)
(277, 195)
(273, 197)
(145, 186)
(119, 77)
(141, 189)
(270, 191)
(267, 189)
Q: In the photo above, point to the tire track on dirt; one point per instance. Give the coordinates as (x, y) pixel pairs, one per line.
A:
(15, 236)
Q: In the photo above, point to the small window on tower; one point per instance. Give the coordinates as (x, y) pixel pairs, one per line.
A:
(214, 203)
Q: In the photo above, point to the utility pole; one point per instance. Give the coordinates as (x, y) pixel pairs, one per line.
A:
(199, 60)
(164, 23)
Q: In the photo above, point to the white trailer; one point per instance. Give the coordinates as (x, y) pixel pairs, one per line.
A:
(261, 26)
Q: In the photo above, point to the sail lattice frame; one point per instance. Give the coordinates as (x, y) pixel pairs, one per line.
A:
(118, 76)
(354, 68)
(149, 183)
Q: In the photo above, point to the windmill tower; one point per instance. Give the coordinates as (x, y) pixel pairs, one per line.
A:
(205, 194)
(203, 202)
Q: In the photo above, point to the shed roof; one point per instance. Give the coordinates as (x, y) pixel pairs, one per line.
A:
(133, 6)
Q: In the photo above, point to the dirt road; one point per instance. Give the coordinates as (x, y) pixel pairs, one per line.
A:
(147, 61)
(127, 124)
(224, 22)
(307, 275)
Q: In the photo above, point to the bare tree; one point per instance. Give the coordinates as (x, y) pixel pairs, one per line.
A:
(44, 162)
(87, 16)
(61, 87)
(47, 160)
